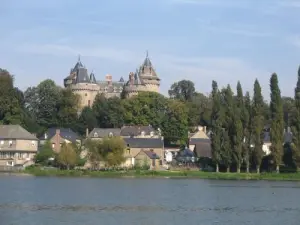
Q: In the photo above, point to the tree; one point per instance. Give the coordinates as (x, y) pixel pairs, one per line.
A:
(175, 123)
(10, 110)
(238, 129)
(183, 90)
(68, 106)
(42, 103)
(108, 112)
(226, 150)
(288, 110)
(296, 125)
(113, 151)
(228, 125)
(108, 150)
(44, 154)
(67, 156)
(246, 114)
(86, 120)
(257, 125)
(277, 122)
(216, 125)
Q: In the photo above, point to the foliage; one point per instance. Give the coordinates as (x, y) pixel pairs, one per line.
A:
(67, 156)
(184, 90)
(216, 125)
(108, 150)
(44, 154)
(277, 122)
(257, 125)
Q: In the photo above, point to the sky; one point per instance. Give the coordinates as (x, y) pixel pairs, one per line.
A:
(198, 40)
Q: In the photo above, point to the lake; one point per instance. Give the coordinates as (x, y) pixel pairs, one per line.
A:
(26, 200)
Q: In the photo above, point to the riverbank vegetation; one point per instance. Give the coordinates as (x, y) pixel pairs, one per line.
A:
(37, 171)
(236, 122)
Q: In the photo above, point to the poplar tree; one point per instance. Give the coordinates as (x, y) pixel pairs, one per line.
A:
(228, 125)
(296, 125)
(247, 131)
(277, 122)
(216, 125)
(257, 125)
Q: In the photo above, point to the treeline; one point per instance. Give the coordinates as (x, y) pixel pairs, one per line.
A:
(236, 121)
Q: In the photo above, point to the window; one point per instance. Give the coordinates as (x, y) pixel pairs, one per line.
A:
(89, 103)
(53, 145)
(95, 134)
(151, 133)
(10, 143)
(2, 142)
(105, 89)
(33, 143)
(143, 133)
(85, 94)
(110, 134)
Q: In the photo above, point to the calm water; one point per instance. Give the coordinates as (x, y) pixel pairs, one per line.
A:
(89, 201)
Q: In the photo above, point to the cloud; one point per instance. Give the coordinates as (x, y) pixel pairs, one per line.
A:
(65, 50)
(214, 3)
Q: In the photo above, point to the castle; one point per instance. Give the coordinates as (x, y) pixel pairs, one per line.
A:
(87, 87)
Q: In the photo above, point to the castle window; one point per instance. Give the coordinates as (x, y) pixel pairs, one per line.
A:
(105, 89)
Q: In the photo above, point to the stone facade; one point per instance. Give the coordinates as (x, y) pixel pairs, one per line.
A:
(17, 146)
(87, 87)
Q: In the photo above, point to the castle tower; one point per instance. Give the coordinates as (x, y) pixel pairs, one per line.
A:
(82, 84)
(148, 76)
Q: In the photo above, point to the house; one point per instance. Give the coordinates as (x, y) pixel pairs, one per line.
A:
(140, 132)
(186, 156)
(17, 146)
(149, 158)
(203, 150)
(267, 143)
(135, 145)
(199, 136)
(58, 136)
(100, 133)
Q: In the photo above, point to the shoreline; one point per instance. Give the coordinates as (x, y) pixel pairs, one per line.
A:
(131, 174)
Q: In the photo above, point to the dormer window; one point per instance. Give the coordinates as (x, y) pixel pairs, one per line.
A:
(143, 133)
(10, 143)
(95, 134)
(2, 142)
(151, 133)
(110, 134)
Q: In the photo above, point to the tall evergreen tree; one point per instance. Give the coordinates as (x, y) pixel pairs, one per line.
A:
(226, 150)
(257, 125)
(277, 122)
(238, 134)
(296, 125)
(228, 125)
(247, 131)
(216, 125)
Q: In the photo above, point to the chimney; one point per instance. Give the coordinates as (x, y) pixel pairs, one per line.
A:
(87, 132)
(57, 141)
(108, 78)
(204, 129)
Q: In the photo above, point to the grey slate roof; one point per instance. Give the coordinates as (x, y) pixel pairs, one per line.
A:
(65, 133)
(82, 76)
(144, 142)
(15, 132)
(92, 78)
(136, 130)
(203, 150)
(104, 132)
(151, 155)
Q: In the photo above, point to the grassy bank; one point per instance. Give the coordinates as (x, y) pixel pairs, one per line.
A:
(165, 174)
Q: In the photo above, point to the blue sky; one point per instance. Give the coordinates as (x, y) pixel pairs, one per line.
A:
(200, 40)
